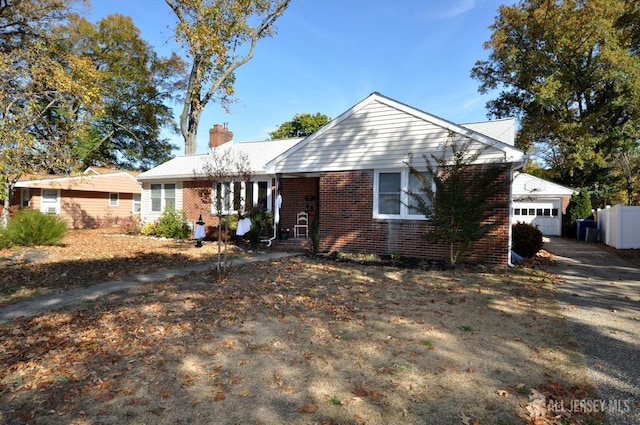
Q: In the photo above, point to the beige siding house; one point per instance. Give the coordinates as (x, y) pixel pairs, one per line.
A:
(96, 198)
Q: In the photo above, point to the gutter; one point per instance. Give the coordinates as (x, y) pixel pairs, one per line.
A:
(275, 223)
(510, 243)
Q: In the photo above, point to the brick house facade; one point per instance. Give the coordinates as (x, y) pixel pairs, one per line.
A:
(342, 173)
(346, 223)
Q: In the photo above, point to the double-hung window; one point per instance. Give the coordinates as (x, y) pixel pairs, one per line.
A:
(234, 197)
(163, 196)
(137, 203)
(114, 199)
(391, 198)
(228, 197)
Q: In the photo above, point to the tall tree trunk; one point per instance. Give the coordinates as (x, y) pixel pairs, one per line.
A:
(8, 194)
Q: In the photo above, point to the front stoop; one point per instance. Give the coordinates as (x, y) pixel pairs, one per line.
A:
(292, 245)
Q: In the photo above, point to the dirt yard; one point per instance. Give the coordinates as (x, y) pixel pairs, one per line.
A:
(296, 341)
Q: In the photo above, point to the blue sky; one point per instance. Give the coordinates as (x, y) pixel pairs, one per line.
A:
(330, 54)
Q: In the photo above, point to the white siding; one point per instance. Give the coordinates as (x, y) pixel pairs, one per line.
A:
(526, 185)
(146, 213)
(373, 137)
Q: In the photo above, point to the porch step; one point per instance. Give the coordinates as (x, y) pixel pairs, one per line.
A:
(291, 245)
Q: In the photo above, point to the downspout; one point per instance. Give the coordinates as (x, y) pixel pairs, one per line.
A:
(510, 243)
(275, 223)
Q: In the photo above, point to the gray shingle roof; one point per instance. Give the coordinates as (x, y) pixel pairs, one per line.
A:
(188, 166)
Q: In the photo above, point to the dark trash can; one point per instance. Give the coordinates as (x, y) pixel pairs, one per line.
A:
(583, 225)
(592, 235)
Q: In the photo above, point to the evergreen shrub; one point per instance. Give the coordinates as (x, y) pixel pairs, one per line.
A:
(31, 227)
(527, 240)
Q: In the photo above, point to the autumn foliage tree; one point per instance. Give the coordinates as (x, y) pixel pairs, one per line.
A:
(136, 89)
(45, 104)
(219, 36)
(77, 94)
(570, 71)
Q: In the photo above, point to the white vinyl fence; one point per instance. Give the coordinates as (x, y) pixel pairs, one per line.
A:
(620, 226)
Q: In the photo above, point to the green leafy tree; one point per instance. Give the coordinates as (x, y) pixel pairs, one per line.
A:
(626, 166)
(219, 36)
(300, 126)
(137, 86)
(456, 196)
(579, 208)
(569, 70)
(36, 89)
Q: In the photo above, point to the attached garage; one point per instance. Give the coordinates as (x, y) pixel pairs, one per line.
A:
(539, 202)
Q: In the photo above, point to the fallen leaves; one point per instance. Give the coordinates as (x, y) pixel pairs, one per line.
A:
(285, 335)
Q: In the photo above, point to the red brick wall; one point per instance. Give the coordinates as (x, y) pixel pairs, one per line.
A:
(347, 224)
(298, 195)
(196, 200)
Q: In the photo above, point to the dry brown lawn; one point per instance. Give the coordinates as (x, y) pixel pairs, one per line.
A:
(295, 341)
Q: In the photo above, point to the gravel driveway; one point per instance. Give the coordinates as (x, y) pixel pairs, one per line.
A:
(600, 296)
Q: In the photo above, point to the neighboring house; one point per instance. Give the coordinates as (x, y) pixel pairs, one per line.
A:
(98, 197)
(540, 202)
(352, 173)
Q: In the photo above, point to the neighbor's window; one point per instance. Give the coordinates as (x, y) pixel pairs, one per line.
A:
(137, 203)
(50, 203)
(26, 197)
(114, 199)
(391, 194)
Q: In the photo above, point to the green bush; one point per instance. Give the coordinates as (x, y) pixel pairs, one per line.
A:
(174, 225)
(230, 222)
(527, 239)
(256, 229)
(4, 241)
(579, 207)
(31, 227)
(148, 228)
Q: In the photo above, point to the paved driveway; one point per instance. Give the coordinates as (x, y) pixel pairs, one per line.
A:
(600, 295)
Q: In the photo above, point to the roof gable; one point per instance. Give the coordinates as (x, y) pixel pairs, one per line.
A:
(380, 132)
(526, 185)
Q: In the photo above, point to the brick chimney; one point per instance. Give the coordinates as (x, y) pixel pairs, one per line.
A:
(219, 135)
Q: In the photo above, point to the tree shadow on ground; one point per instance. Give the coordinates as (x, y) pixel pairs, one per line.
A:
(293, 341)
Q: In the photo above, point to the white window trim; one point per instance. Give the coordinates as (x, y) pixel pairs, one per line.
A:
(117, 200)
(45, 206)
(404, 196)
(135, 203)
(163, 196)
(243, 196)
(256, 189)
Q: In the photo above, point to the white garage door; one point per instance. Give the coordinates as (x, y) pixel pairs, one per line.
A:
(543, 213)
